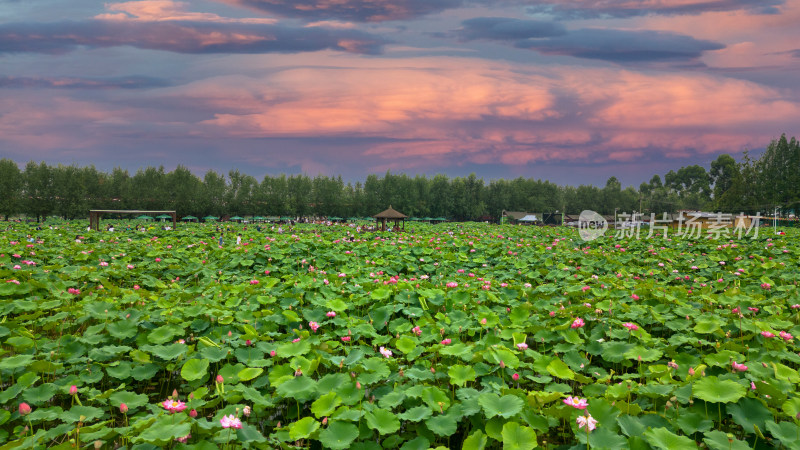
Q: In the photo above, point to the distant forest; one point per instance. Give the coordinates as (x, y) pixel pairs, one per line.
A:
(748, 185)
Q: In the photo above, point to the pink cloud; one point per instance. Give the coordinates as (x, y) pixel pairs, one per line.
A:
(166, 10)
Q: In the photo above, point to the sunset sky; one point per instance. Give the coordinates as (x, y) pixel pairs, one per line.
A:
(573, 91)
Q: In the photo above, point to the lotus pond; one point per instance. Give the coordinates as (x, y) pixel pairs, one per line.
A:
(446, 336)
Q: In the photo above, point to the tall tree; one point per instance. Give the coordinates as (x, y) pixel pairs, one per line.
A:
(39, 190)
(11, 186)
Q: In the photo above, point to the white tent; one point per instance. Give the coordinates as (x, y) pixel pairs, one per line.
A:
(529, 218)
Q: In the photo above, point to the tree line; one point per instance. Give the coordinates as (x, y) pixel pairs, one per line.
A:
(749, 185)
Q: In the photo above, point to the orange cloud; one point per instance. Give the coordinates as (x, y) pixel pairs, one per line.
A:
(166, 10)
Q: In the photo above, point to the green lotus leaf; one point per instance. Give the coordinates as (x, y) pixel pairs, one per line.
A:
(460, 375)
(506, 406)
(441, 425)
(194, 369)
(717, 440)
(475, 441)
(131, 399)
(167, 352)
(163, 334)
(15, 362)
(518, 437)
(165, 430)
(81, 414)
(338, 435)
(303, 428)
(712, 389)
(326, 404)
(786, 432)
(559, 369)
(383, 421)
(416, 414)
(300, 388)
(40, 394)
(664, 439)
(291, 349)
(405, 344)
(749, 413)
(249, 373)
(418, 443)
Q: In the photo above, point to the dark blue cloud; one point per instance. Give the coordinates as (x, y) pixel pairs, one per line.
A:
(592, 9)
(349, 10)
(82, 83)
(182, 37)
(622, 46)
(508, 29)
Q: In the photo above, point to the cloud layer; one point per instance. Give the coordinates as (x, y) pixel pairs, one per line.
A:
(355, 87)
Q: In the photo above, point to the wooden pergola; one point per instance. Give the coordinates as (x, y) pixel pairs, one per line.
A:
(96, 214)
(390, 215)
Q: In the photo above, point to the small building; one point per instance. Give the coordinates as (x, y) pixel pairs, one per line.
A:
(390, 215)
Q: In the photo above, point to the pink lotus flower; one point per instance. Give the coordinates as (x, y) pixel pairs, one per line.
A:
(173, 406)
(752, 386)
(578, 323)
(585, 288)
(24, 409)
(417, 330)
(123, 408)
(452, 284)
(588, 421)
(576, 402)
(446, 341)
(220, 379)
(515, 377)
(634, 296)
(184, 439)
(158, 259)
(672, 364)
(331, 314)
(386, 352)
(314, 326)
(738, 367)
(253, 281)
(230, 422)
(522, 346)
(767, 334)
(483, 321)
(630, 326)
(345, 338)
(73, 390)
(785, 336)
(193, 413)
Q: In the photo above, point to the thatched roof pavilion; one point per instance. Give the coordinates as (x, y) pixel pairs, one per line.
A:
(390, 215)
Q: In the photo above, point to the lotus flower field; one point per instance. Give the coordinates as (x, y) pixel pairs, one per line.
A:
(446, 336)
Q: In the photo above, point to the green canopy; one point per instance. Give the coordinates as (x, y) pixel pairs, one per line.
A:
(259, 218)
(352, 219)
(427, 219)
(164, 216)
(439, 219)
(143, 217)
(334, 218)
(189, 218)
(286, 218)
(210, 218)
(236, 218)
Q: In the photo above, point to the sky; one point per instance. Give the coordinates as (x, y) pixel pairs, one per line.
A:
(571, 91)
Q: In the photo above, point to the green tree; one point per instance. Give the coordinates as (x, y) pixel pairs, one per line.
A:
(11, 186)
(39, 190)
(72, 198)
